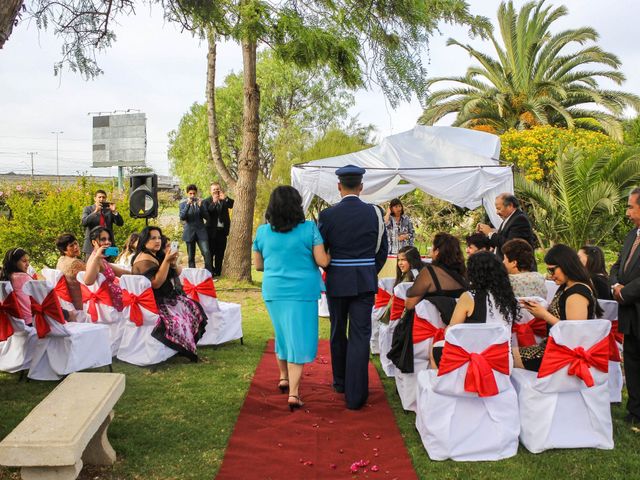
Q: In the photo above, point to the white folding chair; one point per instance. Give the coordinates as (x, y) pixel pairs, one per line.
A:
(386, 331)
(566, 404)
(467, 410)
(98, 308)
(616, 380)
(552, 288)
(198, 285)
(381, 301)
(427, 328)
(17, 339)
(528, 330)
(137, 345)
(58, 281)
(62, 347)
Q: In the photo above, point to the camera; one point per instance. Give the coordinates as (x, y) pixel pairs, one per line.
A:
(105, 205)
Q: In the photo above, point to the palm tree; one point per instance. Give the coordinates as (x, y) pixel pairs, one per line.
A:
(581, 204)
(537, 79)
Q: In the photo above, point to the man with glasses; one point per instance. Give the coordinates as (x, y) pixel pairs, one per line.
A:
(625, 287)
(218, 224)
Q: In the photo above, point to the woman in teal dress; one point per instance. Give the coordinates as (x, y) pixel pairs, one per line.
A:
(289, 250)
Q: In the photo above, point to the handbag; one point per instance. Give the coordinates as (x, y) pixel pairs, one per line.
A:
(401, 352)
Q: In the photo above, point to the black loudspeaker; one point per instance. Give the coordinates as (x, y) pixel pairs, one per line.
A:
(143, 195)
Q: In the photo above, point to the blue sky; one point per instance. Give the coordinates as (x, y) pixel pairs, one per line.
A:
(159, 70)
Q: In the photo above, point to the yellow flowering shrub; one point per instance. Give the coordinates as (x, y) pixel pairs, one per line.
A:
(533, 152)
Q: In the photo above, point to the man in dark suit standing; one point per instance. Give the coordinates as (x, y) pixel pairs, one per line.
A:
(515, 224)
(193, 213)
(100, 214)
(355, 236)
(218, 225)
(625, 286)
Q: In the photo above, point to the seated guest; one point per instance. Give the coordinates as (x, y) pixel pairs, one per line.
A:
(592, 258)
(408, 264)
(477, 242)
(445, 276)
(14, 270)
(574, 300)
(489, 298)
(182, 321)
(124, 259)
(520, 263)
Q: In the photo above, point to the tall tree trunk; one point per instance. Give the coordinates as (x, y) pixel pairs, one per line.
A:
(212, 121)
(238, 264)
(9, 10)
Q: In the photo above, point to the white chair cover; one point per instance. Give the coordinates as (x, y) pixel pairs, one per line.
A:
(385, 287)
(386, 330)
(107, 314)
(616, 380)
(137, 346)
(57, 280)
(406, 383)
(323, 304)
(461, 425)
(196, 276)
(223, 326)
(68, 347)
(552, 288)
(525, 317)
(559, 410)
(16, 351)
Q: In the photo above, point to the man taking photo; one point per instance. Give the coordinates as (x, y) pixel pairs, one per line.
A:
(100, 214)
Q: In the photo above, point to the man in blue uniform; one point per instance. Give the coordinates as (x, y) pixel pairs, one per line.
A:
(355, 236)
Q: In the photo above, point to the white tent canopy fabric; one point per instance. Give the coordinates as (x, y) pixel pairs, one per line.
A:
(454, 164)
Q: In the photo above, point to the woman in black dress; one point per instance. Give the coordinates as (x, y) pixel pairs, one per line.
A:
(592, 258)
(574, 300)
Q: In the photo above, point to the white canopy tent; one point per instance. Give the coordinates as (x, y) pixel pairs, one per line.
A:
(455, 164)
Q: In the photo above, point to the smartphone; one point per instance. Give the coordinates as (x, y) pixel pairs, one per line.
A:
(111, 252)
(174, 246)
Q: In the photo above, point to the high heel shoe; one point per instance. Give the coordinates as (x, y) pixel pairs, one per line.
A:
(282, 386)
(297, 404)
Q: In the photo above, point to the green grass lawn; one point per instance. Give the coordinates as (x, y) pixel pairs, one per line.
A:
(174, 421)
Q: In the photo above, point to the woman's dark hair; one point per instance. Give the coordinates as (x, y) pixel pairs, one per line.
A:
(413, 257)
(520, 251)
(64, 240)
(95, 232)
(595, 260)
(480, 240)
(394, 202)
(129, 244)
(567, 259)
(285, 209)
(487, 273)
(10, 262)
(449, 253)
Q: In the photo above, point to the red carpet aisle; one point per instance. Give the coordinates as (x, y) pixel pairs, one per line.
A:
(321, 440)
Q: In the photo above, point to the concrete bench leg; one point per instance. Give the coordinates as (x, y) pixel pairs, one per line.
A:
(99, 451)
(51, 473)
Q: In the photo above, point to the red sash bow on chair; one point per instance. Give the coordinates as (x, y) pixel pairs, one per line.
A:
(62, 290)
(526, 332)
(579, 360)
(480, 377)
(101, 295)
(50, 306)
(615, 337)
(397, 307)
(8, 307)
(205, 288)
(422, 330)
(145, 299)
(382, 298)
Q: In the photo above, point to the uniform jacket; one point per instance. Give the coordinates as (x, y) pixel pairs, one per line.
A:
(90, 220)
(193, 218)
(629, 309)
(216, 213)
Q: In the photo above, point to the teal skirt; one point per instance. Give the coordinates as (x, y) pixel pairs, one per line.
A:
(295, 324)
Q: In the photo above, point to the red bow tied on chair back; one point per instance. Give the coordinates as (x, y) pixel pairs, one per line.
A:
(397, 307)
(526, 332)
(480, 378)
(205, 287)
(615, 337)
(50, 306)
(579, 360)
(382, 298)
(423, 329)
(62, 290)
(8, 307)
(145, 299)
(101, 295)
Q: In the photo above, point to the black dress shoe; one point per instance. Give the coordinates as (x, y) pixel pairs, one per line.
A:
(632, 419)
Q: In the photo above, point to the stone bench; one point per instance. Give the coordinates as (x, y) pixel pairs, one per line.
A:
(65, 429)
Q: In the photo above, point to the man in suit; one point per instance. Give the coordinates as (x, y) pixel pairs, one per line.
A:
(625, 286)
(193, 213)
(100, 214)
(355, 236)
(218, 225)
(515, 224)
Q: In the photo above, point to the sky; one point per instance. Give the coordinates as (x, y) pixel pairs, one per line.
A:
(155, 68)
